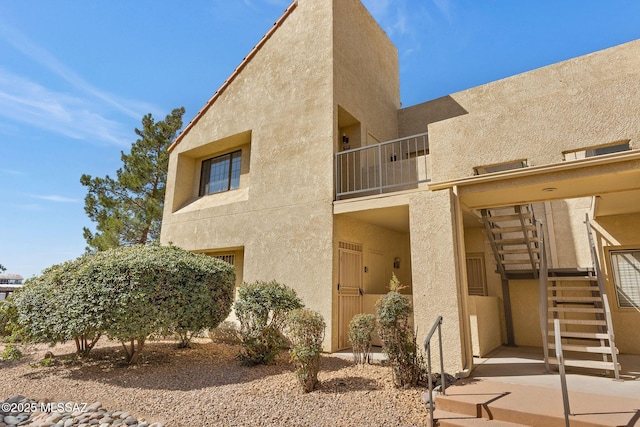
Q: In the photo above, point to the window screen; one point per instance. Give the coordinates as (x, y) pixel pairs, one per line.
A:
(626, 275)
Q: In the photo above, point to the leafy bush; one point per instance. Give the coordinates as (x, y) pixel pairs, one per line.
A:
(128, 293)
(305, 330)
(262, 309)
(11, 352)
(396, 333)
(361, 329)
(8, 319)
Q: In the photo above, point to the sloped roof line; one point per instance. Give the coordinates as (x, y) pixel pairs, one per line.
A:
(235, 73)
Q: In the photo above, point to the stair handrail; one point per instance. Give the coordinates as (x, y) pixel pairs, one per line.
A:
(603, 294)
(543, 295)
(437, 325)
(563, 377)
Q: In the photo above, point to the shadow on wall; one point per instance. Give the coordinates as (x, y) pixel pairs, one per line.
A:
(415, 119)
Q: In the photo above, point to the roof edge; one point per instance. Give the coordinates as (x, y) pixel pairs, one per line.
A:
(235, 73)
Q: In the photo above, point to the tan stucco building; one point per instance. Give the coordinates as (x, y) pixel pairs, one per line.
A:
(304, 168)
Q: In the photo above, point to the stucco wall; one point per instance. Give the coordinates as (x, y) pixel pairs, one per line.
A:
(485, 324)
(587, 101)
(282, 215)
(435, 274)
(620, 232)
(366, 79)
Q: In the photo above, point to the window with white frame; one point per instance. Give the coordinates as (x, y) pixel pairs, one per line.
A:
(625, 266)
(220, 173)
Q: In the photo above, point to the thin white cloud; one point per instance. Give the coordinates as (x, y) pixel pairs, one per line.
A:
(54, 198)
(22, 100)
(11, 172)
(43, 57)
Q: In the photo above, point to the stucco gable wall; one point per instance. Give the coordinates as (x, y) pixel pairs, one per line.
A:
(583, 102)
(282, 218)
(366, 82)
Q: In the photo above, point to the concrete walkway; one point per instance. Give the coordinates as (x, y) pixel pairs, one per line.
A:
(510, 387)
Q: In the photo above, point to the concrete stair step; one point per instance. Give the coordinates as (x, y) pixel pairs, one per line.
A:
(531, 406)
(572, 278)
(451, 419)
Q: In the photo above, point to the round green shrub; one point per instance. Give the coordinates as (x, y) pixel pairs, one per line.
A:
(305, 330)
(262, 309)
(361, 329)
(129, 294)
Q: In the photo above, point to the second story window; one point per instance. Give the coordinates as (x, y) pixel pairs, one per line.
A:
(220, 174)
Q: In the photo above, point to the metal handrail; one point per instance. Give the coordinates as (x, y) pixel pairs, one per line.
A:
(382, 167)
(427, 346)
(605, 298)
(563, 377)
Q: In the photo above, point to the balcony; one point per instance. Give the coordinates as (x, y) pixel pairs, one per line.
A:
(389, 166)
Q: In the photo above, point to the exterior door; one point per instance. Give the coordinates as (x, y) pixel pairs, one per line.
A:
(349, 288)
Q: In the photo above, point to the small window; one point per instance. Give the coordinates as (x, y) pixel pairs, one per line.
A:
(500, 167)
(476, 277)
(220, 174)
(616, 147)
(230, 258)
(625, 265)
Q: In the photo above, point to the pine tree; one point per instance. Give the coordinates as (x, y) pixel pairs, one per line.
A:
(128, 210)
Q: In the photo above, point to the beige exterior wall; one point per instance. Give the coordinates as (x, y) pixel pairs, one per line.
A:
(281, 107)
(330, 69)
(484, 315)
(583, 102)
(620, 232)
(437, 279)
(366, 74)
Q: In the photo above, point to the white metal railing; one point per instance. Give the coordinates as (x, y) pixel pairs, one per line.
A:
(386, 166)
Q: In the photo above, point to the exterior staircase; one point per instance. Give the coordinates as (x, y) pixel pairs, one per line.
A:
(576, 297)
(513, 235)
(581, 305)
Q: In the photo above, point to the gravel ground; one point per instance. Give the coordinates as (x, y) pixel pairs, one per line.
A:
(207, 386)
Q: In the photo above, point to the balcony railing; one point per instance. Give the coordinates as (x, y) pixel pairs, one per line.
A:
(388, 166)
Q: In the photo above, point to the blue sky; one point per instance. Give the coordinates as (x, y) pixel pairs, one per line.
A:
(76, 77)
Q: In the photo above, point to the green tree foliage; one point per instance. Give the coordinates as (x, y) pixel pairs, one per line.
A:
(361, 329)
(129, 294)
(399, 341)
(262, 309)
(128, 210)
(2, 268)
(305, 329)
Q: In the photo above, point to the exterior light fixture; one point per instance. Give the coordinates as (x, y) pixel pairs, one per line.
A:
(396, 263)
(549, 189)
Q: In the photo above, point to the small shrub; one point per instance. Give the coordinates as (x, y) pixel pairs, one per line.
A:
(305, 330)
(399, 341)
(262, 309)
(11, 352)
(361, 329)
